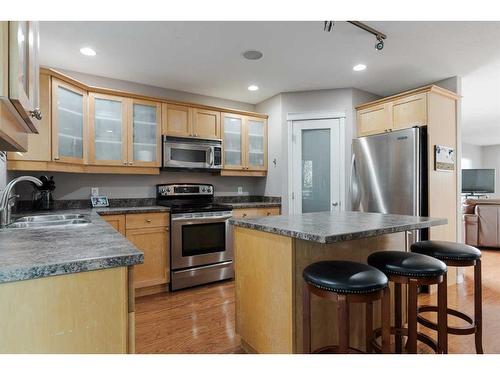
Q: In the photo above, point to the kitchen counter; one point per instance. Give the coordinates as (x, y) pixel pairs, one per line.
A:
(330, 227)
(32, 253)
(255, 205)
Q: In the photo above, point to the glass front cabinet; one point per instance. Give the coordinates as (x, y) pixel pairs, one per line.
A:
(144, 135)
(245, 142)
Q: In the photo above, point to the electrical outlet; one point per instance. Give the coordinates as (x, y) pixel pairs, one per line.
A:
(240, 190)
(94, 191)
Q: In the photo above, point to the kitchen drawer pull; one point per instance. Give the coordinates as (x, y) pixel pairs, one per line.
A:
(244, 215)
(268, 214)
(148, 220)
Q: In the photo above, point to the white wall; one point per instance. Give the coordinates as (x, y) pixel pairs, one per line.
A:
(278, 107)
(472, 156)
(491, 159)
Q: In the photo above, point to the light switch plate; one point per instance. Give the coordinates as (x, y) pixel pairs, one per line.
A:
(94, 191)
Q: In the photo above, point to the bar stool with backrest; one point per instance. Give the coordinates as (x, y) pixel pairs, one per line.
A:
(412, 269)
(346, 282)
(455, 255)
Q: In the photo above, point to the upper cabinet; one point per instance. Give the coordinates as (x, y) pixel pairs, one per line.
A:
(185, 121)
(19, 83)
(144, 135)
(108, 131)
(398, 112)
(245, 145)
(69, 123)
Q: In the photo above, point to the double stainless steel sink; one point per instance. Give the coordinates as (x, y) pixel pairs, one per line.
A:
(40, 221)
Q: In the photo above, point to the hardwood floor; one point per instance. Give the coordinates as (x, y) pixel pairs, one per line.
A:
(196, 320)
(201, 320)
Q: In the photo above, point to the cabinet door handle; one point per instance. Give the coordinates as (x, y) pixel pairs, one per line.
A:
(129, 163)
(124, 163)
(148, 220)
(244, 215)
(36, 113)
(268, 214)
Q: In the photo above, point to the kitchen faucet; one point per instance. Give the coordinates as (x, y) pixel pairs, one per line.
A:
(6, 199)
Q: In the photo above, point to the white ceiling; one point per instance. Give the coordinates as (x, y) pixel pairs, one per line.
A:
(205, 58)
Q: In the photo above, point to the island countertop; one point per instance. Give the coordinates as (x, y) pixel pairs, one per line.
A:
(40, 252)
(330, 227)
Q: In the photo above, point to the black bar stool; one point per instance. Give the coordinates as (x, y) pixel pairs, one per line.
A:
(456, 255)
(413, 270)
(346, 282)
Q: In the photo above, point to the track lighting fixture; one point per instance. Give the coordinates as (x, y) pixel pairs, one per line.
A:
(379, 45)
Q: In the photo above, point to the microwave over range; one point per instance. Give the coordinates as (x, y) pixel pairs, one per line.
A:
(190, 153)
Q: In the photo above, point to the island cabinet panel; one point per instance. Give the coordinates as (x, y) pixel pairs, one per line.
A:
(239, 213)
(77, 313)
(410, 111)
(374, 120)
(264, 291)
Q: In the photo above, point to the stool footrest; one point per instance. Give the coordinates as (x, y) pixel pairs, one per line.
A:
(334, 349)
(423, 338)
(465, 330)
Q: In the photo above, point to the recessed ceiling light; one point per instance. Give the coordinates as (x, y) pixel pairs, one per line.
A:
(87, 51)
(359, 67)
(252, 54)
(253, 88)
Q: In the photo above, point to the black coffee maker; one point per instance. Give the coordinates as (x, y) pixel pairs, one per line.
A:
(42, 196)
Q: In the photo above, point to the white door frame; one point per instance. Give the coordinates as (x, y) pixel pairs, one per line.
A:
(291, 117)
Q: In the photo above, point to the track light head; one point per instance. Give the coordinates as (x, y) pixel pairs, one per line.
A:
(328, 26)
(379, 46)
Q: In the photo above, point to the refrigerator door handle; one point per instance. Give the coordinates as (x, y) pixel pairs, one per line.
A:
(353, 185)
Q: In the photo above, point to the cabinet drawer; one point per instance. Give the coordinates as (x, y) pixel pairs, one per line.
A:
(149, 220)
(240, 213)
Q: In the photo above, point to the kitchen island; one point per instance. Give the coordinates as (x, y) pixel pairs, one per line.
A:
(270, 254)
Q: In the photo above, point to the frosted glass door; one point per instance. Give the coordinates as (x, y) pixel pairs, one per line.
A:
(316, 170)
(233, 131)
(317, 173)
(145, 134)
(108, 130)
(256, 144)
(70, 122)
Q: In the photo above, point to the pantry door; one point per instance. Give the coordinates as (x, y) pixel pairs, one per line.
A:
(317, 175)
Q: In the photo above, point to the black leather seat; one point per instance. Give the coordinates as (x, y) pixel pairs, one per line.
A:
(407, 264)
(446, 250)
(345, 277)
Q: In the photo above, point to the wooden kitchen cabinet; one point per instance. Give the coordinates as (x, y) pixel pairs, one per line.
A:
(154, 243)
(192, 122)
(116, 221)
(108, 130)
(245, 145)
(176, 120)
(374, 120)
(69, 123)
(409, 111)
(239, 213)
(144, 134)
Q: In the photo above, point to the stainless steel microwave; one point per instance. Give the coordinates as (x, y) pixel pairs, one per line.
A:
(191, 153)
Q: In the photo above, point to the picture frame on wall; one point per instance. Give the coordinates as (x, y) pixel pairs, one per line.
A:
(444, 158)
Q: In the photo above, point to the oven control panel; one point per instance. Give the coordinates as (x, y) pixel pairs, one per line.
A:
(184, 189)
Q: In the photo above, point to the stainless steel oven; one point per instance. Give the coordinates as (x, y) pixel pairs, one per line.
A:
(190, 153)
(201, 240)
(202, 248)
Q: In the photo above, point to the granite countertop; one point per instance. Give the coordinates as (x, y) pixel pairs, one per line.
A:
(329, 227)
(40, 252)
(255, 204)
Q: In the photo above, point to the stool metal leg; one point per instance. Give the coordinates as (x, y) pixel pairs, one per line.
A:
(398, 312)
(386, 321)
(343, 324)
(442, 320)
(478, 307)
(412, 316)
(369, 326)
(306, 319)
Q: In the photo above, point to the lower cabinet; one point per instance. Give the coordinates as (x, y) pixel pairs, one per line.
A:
(150, 234)
(239, 213)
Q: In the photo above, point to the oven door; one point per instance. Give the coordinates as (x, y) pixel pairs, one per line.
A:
(187, 155)
(200, 239)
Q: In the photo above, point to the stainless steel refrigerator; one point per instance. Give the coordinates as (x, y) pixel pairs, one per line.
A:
(389, 173)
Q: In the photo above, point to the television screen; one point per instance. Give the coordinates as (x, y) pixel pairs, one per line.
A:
(478, 180)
